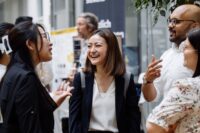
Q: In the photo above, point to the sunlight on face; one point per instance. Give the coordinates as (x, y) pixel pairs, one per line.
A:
(97, 48)
(44, 46)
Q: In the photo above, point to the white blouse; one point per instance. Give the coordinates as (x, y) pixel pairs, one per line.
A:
(103, 115)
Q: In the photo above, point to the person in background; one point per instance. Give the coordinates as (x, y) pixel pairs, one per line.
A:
(102, 107)
(86, 24)
(180, 109)
(4, 55)
(25, 104)
(23, 19)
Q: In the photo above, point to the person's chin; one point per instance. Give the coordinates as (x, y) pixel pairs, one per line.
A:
(172, 39)
(80, 35)
(185, 64)
(48, 58)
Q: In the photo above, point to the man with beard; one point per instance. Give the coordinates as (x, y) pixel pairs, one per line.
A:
(161, 73)
(86, 24)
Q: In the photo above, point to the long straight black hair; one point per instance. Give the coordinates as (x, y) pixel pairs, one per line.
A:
(194, 38)
(18, 38)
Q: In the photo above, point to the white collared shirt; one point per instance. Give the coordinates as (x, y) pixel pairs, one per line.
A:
(172, 69)
(103, 115)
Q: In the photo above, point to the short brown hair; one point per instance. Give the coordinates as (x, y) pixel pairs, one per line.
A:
(114, 64)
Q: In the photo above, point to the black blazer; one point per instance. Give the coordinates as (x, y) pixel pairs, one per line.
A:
(26, 105)
(127, 110)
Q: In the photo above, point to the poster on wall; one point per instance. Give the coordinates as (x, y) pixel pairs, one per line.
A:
(63, 53)
(111, 14)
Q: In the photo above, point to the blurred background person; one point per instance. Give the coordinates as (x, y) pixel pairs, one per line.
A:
(86, 24)
(4, 56)
(23, 19)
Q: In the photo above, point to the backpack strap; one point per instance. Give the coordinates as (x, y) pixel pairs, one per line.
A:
(127, 78)
(82, 74)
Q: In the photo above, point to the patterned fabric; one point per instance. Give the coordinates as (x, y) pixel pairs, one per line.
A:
(181, 106)
(172, 57)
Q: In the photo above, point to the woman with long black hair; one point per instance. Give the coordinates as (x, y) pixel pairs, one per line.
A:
(25, 104)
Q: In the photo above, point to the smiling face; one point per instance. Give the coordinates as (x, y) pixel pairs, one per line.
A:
(97, 48)
(184, 17)
(178, 31)
(190, 56)
(44, 46)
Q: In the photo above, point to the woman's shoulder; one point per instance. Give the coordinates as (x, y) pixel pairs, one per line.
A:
(19, 73)
(192, 83)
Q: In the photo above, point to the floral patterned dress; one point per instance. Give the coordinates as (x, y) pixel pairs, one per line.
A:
(181, 106)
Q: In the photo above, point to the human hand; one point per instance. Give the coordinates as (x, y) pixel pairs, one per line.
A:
(153, 70)
(61, 93)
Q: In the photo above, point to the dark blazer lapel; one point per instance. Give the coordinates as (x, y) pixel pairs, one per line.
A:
(88, 95)
(119, 94)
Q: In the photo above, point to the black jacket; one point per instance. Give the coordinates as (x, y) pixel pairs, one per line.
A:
(127, 110)
(26, 105)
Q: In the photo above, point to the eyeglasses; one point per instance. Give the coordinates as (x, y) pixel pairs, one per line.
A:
(175, 21)
(46, 35)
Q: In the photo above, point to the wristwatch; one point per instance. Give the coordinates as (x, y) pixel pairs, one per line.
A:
(145, 81)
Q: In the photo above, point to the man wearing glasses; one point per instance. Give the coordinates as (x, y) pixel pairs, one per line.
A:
(161, 73)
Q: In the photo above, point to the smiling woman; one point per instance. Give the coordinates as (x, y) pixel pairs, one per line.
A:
(25, 104)
(101, 106)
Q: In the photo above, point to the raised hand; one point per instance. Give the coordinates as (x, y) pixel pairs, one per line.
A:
(61, 93)
(153, 70)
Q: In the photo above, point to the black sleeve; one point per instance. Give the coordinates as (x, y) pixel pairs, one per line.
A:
(133, 112)
(27, 105)
(75, 106)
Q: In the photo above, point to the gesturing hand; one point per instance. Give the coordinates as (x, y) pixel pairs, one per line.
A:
(61, 93)
(153, 70)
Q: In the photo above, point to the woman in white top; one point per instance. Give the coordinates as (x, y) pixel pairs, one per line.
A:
(101, 106)
(179, 112)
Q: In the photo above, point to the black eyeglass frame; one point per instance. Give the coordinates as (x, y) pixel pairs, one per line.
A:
(46, 35)
(175, 21)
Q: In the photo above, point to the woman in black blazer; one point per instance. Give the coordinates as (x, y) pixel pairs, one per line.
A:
(25, 104)
(101, 106)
